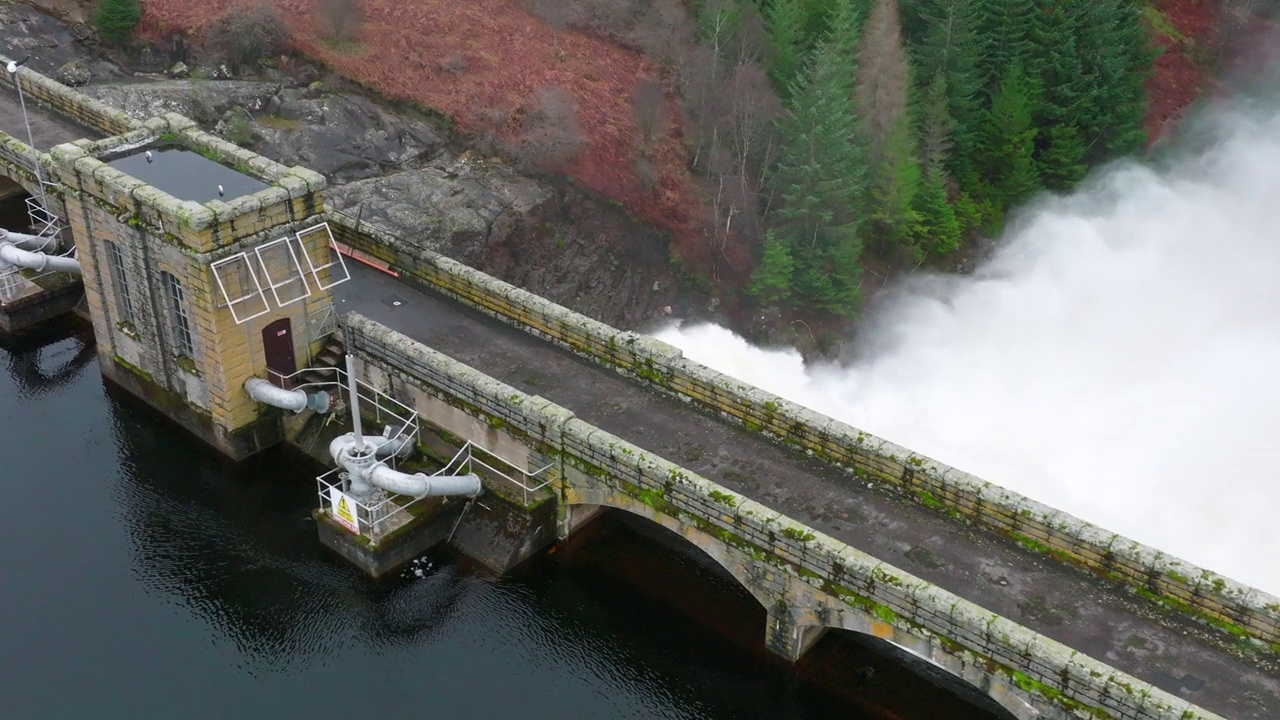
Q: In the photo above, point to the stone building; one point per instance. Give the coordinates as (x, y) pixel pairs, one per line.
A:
(204, 264)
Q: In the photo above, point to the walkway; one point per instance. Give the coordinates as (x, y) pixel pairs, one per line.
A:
(47, 128)
(1053, 599)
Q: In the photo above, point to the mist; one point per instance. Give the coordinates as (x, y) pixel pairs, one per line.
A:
(1118, 358)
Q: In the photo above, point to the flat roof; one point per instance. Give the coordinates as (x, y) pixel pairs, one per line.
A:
(186, 174)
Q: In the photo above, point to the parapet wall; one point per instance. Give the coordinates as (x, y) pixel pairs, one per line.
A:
(1230, 606)
(74, 105)
(588, 455)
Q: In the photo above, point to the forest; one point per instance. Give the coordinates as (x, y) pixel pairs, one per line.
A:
(831, 133)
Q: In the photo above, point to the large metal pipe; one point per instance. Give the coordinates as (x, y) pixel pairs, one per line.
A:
(14, 255)
(23, 240)
(422, 485)
(295, 400)
(365, 472)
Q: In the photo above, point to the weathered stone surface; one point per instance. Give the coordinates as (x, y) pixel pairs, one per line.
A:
(74, 73)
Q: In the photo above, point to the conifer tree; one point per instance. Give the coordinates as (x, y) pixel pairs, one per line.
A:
(1008, 149)
(1004, 34)
(818, 183)
(1117, 55)
(884, 83)
(894, 184)
(772, 281)
(936, 124)
(939, 228)
(950, 48)
(785, 20)
(116, 19)
(1061, 160)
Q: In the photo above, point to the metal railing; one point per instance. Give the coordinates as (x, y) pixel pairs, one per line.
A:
(321, 322)
(381, 512)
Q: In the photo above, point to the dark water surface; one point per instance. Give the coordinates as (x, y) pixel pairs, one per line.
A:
(141, 578)
(187, 175)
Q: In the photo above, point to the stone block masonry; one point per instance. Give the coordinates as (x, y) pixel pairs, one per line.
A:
(1230, 607)
(799, 574)
(81, 108)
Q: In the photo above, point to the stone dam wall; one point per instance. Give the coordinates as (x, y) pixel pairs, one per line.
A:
(1222, 603)
(966, 639)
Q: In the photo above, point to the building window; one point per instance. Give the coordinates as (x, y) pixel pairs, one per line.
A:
(124, 301)
(178, 316)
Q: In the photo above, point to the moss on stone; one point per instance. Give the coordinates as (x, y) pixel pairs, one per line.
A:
(132, 368)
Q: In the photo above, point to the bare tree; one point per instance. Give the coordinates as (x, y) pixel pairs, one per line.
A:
(551, 137)
(883, 74)
(245, 35)
(648, 106)
(343, 16)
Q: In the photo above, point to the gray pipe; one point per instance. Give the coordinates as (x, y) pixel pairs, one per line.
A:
(295, 400)
(365, 472)
(23, 240)
(399, 446)
(353, 392)
(14, 255)
(422, 485)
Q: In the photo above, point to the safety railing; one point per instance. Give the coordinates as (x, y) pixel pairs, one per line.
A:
(321, 322)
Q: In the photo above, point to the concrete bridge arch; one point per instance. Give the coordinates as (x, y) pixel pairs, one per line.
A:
(799, 614)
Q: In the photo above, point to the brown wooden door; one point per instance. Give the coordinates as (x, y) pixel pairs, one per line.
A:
(277, 343)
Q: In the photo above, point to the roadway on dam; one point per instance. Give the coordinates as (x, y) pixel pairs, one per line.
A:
(47, 128)
(1054, 599)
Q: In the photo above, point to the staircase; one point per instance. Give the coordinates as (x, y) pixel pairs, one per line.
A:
(332, 355)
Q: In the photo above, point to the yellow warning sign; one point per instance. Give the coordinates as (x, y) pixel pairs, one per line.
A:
(344, 510)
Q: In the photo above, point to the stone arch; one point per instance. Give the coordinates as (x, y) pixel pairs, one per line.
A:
(799, 613)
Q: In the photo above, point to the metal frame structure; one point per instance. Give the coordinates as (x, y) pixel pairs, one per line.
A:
(388, 512)
(332, 244)
(252, 269)
(274, 286)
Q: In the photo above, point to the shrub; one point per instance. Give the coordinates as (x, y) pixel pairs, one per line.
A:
(247, 35)
(116, 19)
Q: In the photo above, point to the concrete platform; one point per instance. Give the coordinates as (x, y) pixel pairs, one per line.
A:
(1056, 600)
(27, 304)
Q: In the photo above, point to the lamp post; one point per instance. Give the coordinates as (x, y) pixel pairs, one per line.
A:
(13, 67)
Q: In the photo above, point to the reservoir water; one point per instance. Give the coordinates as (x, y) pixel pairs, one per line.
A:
(143, 578)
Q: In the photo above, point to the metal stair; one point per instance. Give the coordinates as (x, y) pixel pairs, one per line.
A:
(331, 355)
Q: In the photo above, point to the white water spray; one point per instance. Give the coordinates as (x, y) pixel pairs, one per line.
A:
(1119, 359)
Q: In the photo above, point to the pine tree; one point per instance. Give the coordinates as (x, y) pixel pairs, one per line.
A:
(1007, 152)
(1003, 32)
(950, 48)
(1061, 161)
(884, 85)
(774, 278)
(939, 229)
(1118, 55)
(895, 182)
(819, 181)
(937, 127)
(785, 20)
(846, 31)
(116, 19)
